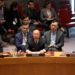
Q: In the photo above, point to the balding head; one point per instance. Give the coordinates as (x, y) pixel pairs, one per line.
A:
(36, 34)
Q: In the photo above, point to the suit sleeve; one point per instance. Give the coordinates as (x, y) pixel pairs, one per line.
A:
(18, 44)
(46, 45)
(61, 43)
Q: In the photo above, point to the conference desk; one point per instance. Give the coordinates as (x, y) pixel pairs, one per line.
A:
(37, 65)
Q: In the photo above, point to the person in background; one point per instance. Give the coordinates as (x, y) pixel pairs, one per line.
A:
(54, 37)
(32, 26)
(4, 15)
(32, 13)
(36, 44)
(15, 17)
(47, 15)
(26, 20)
(21, 38)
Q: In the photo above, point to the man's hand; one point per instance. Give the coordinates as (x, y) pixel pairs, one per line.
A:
(51, 45)
(55, 46)
(28, 52)
(42, 51)
(20, 52)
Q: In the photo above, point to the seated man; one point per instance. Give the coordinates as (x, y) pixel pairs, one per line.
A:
(54, 37)
(36, 44)
(22, 37)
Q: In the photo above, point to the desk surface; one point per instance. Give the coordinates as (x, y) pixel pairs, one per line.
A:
(37, 66)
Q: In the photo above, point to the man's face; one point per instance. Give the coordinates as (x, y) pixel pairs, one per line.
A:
(26, 20)
(25, 28)
(31, 5)
(54, 26)
(36, 34)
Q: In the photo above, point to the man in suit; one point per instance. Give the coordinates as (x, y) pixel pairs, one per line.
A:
(22, 37)
(54, 37)
(36, 44)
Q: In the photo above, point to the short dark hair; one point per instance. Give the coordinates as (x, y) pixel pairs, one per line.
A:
(54, 21)
(23, 17)
(30, 1)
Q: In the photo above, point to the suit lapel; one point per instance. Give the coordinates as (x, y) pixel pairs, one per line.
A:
(40, 42)
(33, 42)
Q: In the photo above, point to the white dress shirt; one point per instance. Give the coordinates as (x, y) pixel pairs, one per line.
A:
(24, 39)
(53, 38)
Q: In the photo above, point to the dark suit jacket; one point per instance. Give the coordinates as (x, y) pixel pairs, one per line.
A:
(59, 39)
(19, 40)
(32, 46)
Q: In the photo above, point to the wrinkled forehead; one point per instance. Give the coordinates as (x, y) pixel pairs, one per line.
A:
(36, 32)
